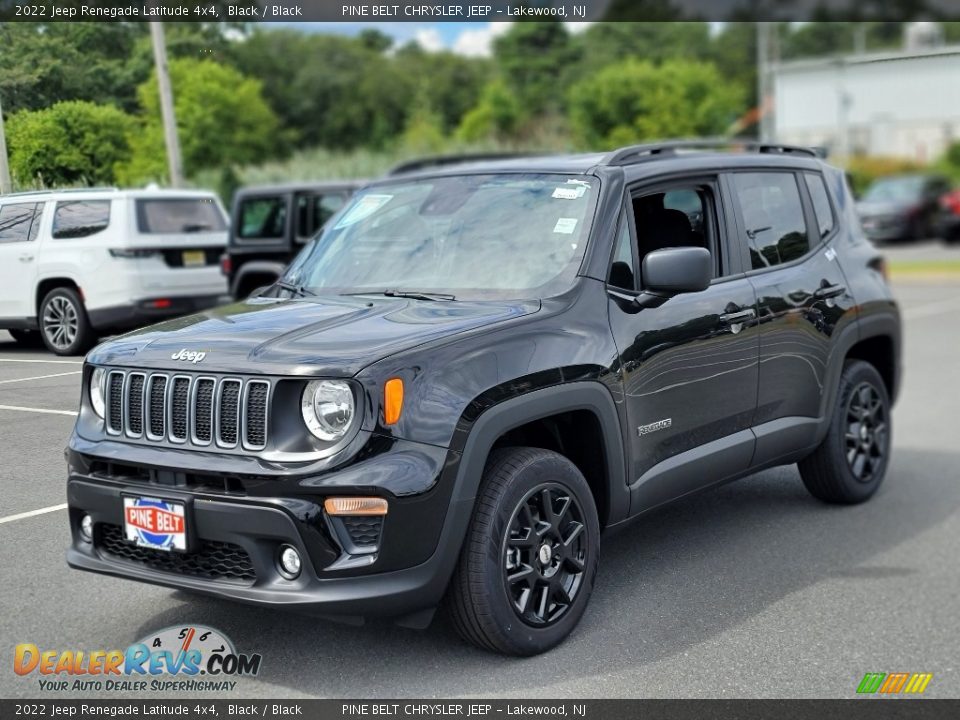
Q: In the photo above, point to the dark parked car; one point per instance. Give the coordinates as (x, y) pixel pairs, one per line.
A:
(476, 371)
(902, 207)
(948, 221)
(270, 225)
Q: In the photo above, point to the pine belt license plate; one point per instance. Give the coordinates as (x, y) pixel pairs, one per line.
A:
(155, 523)
(194, 258)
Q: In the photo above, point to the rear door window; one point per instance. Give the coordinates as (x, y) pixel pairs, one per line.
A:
(263, 217)
(20, 222)
(80, 218)
(313, 211)
(772, 215)
(179, 215)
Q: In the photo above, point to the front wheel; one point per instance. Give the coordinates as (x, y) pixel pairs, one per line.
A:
(850, 463)
(531, 554)
(63, 323)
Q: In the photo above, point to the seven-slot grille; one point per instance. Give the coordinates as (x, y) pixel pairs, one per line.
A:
(227, 412)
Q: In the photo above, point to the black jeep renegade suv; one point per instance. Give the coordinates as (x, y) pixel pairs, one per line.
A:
(475, 370)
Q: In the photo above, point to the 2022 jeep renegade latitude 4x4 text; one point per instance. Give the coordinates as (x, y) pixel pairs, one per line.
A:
(477, 369)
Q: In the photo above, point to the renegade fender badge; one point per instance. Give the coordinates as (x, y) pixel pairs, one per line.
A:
(654, 426)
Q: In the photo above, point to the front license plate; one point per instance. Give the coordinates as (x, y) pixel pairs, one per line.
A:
(194, 258)
(154, 523)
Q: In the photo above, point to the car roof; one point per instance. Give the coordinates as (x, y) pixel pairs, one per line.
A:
(108, 194)
(638, 160)
(299, 186)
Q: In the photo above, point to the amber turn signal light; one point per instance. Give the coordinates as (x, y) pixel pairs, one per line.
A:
(355, 506)
(392, 400)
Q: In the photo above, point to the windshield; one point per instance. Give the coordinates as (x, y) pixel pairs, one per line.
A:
(179, 215)
(505, 235)
(903, 189)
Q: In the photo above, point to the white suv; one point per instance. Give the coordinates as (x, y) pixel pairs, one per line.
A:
(78, 263)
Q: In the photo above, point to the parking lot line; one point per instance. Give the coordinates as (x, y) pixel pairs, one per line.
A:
(40, 377)
(52, 362)
(31, 513)
(18, 408)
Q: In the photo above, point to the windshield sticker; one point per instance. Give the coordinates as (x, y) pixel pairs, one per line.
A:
(568, 193)
(565, 226)
(364, 207)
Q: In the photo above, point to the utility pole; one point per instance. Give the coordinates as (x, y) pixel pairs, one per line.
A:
(766, 41)
(5, 185)
(166, 105)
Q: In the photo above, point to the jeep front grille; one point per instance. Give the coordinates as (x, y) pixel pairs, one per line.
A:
(203, 411)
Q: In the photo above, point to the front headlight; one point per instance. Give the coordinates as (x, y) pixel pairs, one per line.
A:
(328, 408)
(98, 382)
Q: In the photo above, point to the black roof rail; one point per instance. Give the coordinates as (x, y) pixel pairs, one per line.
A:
(649, 151)
(443, 160)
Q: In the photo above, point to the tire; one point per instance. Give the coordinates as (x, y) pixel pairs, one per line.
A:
(850, 463)
(495, 613)
(64, 325)
(27, 338)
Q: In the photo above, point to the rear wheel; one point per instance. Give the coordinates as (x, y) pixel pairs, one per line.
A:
(530, 557)
(850, 463)
(27, 338)
(64, 324)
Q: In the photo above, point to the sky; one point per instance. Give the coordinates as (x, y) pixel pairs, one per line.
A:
(472, 39)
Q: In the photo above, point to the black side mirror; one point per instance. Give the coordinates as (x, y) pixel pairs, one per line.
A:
(677, 270)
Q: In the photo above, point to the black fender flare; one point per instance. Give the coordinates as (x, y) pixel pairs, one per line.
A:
(535, 405)
(863, 328)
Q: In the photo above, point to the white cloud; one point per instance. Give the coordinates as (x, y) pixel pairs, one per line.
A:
(479, 42)
(429, 39)
(576, 28)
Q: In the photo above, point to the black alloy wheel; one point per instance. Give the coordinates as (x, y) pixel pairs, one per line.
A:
(866, 440)
(544, 554)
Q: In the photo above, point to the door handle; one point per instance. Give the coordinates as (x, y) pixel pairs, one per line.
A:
(26, 258)
(732, 318)
(829, 291)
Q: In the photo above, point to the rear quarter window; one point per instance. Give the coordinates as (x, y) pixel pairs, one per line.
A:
(80, 218)
(20, 222)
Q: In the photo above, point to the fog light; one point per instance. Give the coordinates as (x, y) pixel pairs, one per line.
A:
(86, 528)
(289, 562)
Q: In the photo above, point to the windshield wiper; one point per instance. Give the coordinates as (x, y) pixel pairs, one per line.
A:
(295, 289)
(413, 294)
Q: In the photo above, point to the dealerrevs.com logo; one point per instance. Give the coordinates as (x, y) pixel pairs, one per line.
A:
(178, 658)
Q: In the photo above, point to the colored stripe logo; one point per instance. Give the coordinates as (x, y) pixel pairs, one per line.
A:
(894, 683)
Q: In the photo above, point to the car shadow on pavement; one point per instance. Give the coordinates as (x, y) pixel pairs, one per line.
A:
(667, 583)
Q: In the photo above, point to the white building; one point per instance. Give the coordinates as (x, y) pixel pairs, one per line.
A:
(899, 104)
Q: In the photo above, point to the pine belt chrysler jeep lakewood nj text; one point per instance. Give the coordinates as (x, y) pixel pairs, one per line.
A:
(475, 370)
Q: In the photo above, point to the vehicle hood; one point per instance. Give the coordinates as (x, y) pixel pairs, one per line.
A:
(334, 336)
(883, 209)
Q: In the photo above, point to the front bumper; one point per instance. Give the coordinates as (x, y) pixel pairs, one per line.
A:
(236, 535)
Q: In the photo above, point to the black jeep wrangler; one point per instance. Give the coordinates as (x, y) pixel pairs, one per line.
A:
(270, 224)
(476, 370)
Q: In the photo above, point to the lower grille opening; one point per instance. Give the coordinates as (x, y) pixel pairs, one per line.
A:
(212, 560)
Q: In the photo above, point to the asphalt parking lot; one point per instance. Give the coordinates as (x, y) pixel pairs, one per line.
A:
(751, 590)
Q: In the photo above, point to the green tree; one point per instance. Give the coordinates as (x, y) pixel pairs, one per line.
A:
(534, 57)
(496, 116)
(222, 118)
(68, 143)
(636, 100)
